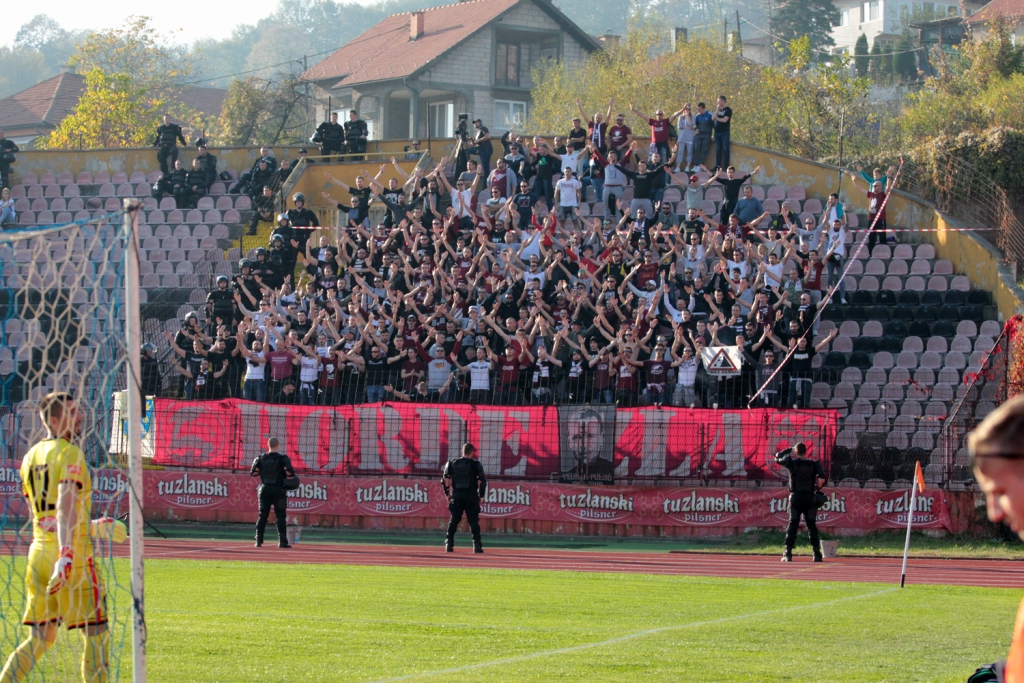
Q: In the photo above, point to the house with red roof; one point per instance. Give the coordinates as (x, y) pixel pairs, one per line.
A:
(1012, 10)
(412, 74)
(36, 111)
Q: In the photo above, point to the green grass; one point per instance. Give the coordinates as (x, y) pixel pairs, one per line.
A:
(227, 621)
(770, 542)
(247, 621)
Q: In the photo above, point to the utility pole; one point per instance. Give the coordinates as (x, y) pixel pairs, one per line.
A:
(725, 32)
(771, 46)
(739, 38)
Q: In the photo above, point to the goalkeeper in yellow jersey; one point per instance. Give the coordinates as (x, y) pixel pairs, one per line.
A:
(61, 581)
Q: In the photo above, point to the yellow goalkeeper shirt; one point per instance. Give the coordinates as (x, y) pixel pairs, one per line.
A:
(45, 467)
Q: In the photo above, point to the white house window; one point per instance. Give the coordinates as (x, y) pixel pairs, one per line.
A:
(873, 10)
(844, 18)
(442, 119)
(508, 114)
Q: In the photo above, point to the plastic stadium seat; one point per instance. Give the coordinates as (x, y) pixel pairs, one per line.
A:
(875, 376)
(868, 283)
(984, 344)
(955, 359)
(169, 243)
(937, 283)
(167, 204)
(232, 216)
(151, 281)
(892, 283)
(860, 297)
(954, 297)
(849, 329)
(943, 267)
(931, 359)
(194, 216)
(883, 359)
(960, 283)
(874, 267)
(796, 192)
(859, 411)
(714, 194)
(851, 376)
(961, 345)
(881, 251)
(991, 328)
(162, 231)
(163, 268)
(855, 267)
(243, 203)
(175, 216)
(842, 344)
(898, 267)
(937, 345)
(907, 360)
(872, 328)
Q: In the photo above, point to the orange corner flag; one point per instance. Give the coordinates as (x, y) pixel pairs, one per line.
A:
(919, 476)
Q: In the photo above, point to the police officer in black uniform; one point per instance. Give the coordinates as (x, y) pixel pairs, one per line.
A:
(356, 133)
(150, 370)
(806, 476)
(272, 468)
(178, 182)
(330, 135)
(167, 137)
(208, 165)
(465, 484)
(7, 151)
(301, 217)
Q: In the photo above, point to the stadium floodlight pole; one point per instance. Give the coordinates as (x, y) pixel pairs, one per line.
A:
(134, 394)
(910, 521)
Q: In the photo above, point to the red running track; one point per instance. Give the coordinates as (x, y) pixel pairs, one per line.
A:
(988, 573)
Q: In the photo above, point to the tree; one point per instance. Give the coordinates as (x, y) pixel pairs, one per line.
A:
(875, 64)
(19, 69)
(904, 62)
(44, 35)
(861, 59)
(266, 111)
(812, 18)
(886, 64)
(132, 78)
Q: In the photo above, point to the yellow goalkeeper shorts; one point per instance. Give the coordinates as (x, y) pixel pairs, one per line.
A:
(82, 601)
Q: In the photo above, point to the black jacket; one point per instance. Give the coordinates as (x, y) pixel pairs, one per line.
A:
(167, 135)
(150, 368)
(467, 476)
(272, 468)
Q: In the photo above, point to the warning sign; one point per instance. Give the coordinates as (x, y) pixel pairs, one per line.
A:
(722, 361)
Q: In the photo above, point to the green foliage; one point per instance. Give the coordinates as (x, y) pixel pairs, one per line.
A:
(133, 77)
(875, 63)
(19, 69)
(885, 69)
(44, 35)
(860, 52)
(811, 18)
(904, 62)
(264, 111)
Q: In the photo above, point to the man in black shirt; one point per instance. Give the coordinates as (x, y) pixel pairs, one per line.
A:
(356, 134)
(731, 185)
(722, 118)
(330, 135)
(150, 369)
(273, 468)
(208, 165)
(196, 180)
(166, 139)
(178, 181)
(465, 484)
(482, 146)
(806, 476)
(644, 179)
(7, 151)
(263, 210)
(301, 217)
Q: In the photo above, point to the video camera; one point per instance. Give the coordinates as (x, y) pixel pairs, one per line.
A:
(462, 128)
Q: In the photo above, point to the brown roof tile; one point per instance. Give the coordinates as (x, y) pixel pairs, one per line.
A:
(1006, 8)
(384, 51)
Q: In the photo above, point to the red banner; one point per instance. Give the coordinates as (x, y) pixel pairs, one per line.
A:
(178, 492)
(529, 442)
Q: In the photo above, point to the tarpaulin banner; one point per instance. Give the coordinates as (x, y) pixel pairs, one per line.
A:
(178, 492)
(398, 438)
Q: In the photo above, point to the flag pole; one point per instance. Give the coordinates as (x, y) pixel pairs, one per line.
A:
(910, 521)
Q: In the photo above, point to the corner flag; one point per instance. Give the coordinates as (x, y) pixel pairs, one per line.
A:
(918, 485)
(919, 477)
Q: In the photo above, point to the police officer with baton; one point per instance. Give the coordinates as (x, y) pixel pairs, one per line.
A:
(464, 485)
(806, 476)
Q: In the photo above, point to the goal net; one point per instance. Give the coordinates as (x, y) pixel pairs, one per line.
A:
(62, 313)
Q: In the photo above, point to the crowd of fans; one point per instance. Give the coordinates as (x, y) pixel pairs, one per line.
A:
(496, 288)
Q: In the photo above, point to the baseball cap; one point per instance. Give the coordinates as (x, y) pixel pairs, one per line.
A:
(694, 178)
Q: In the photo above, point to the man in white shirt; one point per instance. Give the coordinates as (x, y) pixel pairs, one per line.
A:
(479, 377)
(568, 193)
(835, 257)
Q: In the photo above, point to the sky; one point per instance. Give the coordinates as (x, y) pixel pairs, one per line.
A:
(194, 18)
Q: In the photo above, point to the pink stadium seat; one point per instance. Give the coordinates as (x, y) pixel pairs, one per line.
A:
(868, 283)
(168, 204)
(200, 231)
(181, 231)
(914, 283)
(138, 177)
(21, 205)
(232, 216)
(881, 251)
(812, 205)
(856, 267)
(842, 344)
(872, 328)
(169, 243)
(874, 267)
(797, 192)
(243, 203)
(913, 344)
(30, 179)
(207, 243)
(196, 255)
(149, 203)
(76, 204)
(220, 232)
(48, 179)
(925, 251)
(882, 359)
(714, 194)
(33, 191)
(151, 280)
(65, 178)
(984, 344)
(777, 192)
(194, 216)
(205, 203)
(143, 189)
(955, 359)
(171, 281)
(852, 220)
(101, 177)
(212, 216)
(920, 267)
(119, 177)
(18, 192)
(52, 191)
(44, 218)
(961, 345)
(876, 376)
(892, 283)
(175, 255)
(175, 216)
(58, 204)
(869, 392)
(163, 267)
(924, 376)
(189, 243)
(960, 283)
(849, 328)
(112, 204)
(63, 217)
(157, 255)
(856, 420)
(937, 283)
(967, 328)
(183, 268)
(907, 360)
(943, 267)
(125, 190)
(72, 190)
(224, 203)
(27, 218)
(770, 205)
(40, 204)
(900, 375)
(903, 251)
(990, 328)
(898, 267)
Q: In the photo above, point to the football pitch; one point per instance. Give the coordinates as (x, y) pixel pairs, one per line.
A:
(247, 621)
(214, 620)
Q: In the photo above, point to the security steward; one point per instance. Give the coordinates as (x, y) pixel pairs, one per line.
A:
(464, 484)
(330, 135)
(356, 134)
(167, 136)
(806, 476)
(272, 468)
(302, 219)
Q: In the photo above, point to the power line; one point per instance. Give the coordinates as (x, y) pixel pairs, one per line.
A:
(823, 52)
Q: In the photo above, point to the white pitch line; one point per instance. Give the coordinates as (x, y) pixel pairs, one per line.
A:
(625, 638)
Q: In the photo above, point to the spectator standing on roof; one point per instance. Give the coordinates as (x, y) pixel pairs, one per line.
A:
(704, 124)
(723, 121)
(166, 141)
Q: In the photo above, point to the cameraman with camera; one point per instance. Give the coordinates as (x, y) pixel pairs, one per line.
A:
(482, 146)
(806, 477)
